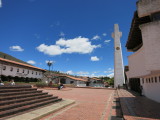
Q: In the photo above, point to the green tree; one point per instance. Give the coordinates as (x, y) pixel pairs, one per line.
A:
(111, 81)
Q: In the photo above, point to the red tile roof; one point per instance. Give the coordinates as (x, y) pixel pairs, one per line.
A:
(74, 78)
(96, 79)
(22, 64)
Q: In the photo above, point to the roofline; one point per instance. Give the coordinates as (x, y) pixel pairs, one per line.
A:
(78, 79)
(17, 63)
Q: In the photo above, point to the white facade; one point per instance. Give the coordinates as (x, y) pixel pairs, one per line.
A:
(95, 83)
(77, 83)
(9, 70)
(145, 62)
(151, 87)
(12, 68)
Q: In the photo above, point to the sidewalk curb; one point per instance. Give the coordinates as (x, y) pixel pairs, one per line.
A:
(41, 112)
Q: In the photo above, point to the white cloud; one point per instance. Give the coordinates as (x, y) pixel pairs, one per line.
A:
(96, 37)
(104, 34)
(109, 70)
(79, 45)
(70, 72)
(16, 48)
(31, 62)
(94, 58)
(62, 34)
(110, 75)
(82, 73)
(96, 72)
(49, 50)
(107, 41)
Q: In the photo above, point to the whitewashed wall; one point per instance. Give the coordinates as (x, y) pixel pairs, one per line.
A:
(151, 43)
(75, 82)
(147, 7)
(137, 66)
(8, 72)
(152, 89)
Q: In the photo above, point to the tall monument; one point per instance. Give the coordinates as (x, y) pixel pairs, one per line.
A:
(118, 60)
(0, 3)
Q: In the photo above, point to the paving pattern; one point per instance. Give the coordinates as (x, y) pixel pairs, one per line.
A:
(104, 104)
(91, 104)
(137, 107)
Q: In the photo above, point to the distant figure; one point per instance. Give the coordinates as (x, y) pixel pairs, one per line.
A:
(1, 83)
(118, 86)
(60, 86)
(50, 84)
(141, 88)
(12, 82)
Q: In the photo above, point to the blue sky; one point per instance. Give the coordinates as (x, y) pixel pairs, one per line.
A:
(75, 34)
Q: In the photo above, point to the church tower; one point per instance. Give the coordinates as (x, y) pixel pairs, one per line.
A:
(118, 60)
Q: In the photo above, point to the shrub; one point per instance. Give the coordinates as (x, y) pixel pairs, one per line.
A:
(41, 84)
(55, 85)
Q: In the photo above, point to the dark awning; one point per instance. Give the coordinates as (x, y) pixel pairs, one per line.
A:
(134, 41)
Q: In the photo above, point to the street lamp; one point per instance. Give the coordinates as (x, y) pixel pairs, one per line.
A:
(1, 71)
(49, 63)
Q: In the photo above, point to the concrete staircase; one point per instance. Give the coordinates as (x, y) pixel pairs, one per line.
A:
(17, 99)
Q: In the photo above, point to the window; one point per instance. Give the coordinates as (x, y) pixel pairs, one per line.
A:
(28, 71)
(143, 80)
(4, 67)
(152, 79)
(71, 82)
(146, 80)
(11, 69)
(23, 71)
(155, 79)
(39, 73)
(18, 70)
(155, 16)
(36, 73)
(149, 80)
(32, 72)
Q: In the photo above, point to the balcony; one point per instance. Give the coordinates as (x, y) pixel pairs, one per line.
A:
(137, 66)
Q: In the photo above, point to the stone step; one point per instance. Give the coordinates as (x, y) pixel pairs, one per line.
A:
(7, 113)
(15, 86)
(23, 99)
(20, 96)
(17, 90)
(21, 104)
(19, 93)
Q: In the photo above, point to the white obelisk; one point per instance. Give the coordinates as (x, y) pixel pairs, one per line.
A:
(119, 79)
(0, 3)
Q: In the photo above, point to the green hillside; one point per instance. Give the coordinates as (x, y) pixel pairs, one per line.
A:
(9, 57)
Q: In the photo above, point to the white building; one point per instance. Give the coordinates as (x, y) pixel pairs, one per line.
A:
(95, 82)
(14, 68)
(144, 41)
(67, 79)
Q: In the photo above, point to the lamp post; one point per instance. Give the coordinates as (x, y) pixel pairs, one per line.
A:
(1, 70)
(49, 63)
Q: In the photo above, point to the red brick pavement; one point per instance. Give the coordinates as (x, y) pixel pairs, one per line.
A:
(137, 107)
(91, 104)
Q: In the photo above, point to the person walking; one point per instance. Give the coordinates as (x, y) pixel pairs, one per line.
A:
(12, 82)
(1, 83)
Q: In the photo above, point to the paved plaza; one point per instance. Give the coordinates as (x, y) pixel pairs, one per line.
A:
(104, 104)
(137, 107)
(91, 104)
